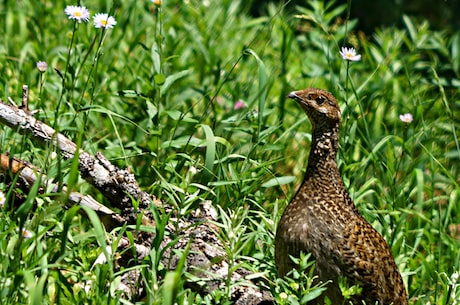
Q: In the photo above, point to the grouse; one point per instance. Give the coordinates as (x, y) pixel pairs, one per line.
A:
(322, 220)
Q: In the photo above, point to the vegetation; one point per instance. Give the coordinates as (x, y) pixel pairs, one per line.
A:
(191, 96)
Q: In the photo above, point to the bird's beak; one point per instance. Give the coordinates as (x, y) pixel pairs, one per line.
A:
(293, 95)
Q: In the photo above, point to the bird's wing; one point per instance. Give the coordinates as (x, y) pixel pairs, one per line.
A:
(364, 257)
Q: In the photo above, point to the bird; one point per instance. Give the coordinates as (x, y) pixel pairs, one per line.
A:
(322, 220)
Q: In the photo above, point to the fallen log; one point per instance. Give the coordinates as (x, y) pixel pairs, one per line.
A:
(197, 235)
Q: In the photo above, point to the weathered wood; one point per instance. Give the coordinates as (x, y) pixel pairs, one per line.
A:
(120, 187)
(29, 175)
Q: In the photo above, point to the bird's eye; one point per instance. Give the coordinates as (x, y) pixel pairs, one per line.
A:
(320, 100)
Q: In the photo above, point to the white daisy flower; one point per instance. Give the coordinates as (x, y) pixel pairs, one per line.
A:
(25, 233)
(406, 118)
(2, 199)
(78, 13)
(104, 21)
(350, 54)
(42, 66)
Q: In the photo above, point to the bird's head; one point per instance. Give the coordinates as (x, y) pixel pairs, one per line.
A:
(321, 106)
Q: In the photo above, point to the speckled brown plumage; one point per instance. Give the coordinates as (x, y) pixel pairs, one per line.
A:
(323, 220)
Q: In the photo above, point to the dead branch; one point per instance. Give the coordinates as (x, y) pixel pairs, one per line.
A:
(29, 175)
(119, 186)
(206, 256)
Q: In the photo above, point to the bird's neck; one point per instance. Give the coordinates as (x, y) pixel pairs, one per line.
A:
(323, 153)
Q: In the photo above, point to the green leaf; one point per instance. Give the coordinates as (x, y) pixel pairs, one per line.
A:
(152, 110)
(156, 59)
(279, 181)
(24, 209)
(171, 79)
(313, 295)
(210, 156)
(174, 279)
(99, 233)
(176, 115)
(182, 141)
(129, 93)
(36, 289)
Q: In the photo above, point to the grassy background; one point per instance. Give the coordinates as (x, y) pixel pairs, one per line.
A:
(157, 94)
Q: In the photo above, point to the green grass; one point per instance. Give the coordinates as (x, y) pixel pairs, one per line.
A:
(157, 93)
